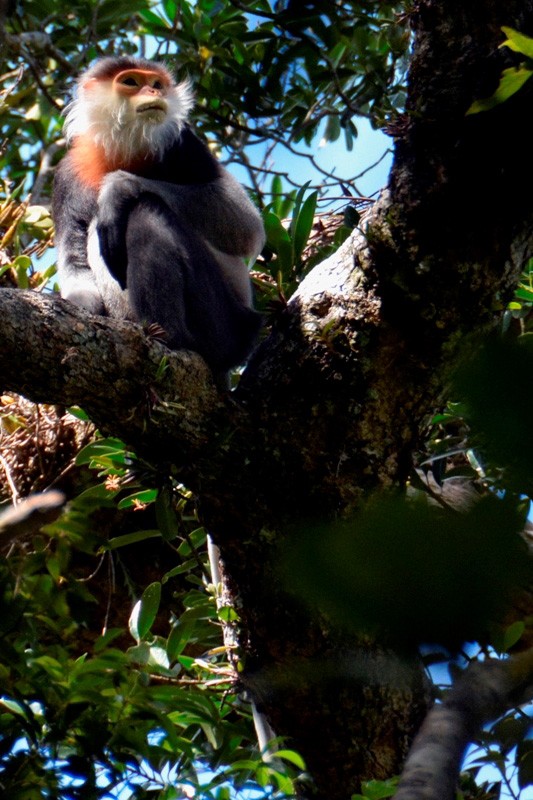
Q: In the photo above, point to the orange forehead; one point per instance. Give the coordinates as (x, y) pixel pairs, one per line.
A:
(142, 75)
(145, 74)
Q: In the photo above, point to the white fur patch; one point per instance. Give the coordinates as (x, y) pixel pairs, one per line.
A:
(112, 122)
(114, 297)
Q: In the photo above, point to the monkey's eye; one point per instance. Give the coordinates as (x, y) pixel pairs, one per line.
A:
(129, 81)
(157, 85)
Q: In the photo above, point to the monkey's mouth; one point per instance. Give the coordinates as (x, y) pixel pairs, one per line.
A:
(158, 106)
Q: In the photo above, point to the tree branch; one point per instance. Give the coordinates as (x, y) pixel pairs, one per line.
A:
(484, 692)
(160, 402)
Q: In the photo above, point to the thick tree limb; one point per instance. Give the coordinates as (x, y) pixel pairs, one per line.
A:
(484, 692)
(156, 400)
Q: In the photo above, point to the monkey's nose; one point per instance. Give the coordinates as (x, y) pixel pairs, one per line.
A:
(150, 91)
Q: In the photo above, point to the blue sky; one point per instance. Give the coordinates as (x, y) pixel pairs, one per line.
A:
(369, 147)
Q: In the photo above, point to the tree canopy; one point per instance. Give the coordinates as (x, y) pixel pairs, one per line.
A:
(367, 481)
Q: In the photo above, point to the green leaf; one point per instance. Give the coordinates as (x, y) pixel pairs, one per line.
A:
(165, 514)
(145, 496)
(304, 224)
(525, 764)
(162, 368)
(132, 538)
(158, 657)
(279, 241)
(153, 19)
(513, 634)
(511, 81)
(170, 9)
(187, 566)
(51, 666)
(186, 661)
(14, 706)
(465, 566)
(332, 130)
(95, 496)
(276, 191)
(178, 639)
(106, 638)
(22, 264)
(287, 205)
(49, 273)
(350, 133)
(337, 53)
(53, 566)
(79, 413)
(187, 626)
(524, 293)
(227, 614)
(145, 611)
(262, 775)
(102, 448)
(518, 42)
(292, 757)
(377, 790)
(210, 732)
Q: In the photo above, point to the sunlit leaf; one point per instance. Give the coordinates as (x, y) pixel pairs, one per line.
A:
(145, 611)
(518, 42)
(138, 499)
(511, 81)
(113, 448)
(279, 240)
(292, 757)
(304, 224)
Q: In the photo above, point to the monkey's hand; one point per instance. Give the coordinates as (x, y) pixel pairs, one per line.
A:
(117, 197)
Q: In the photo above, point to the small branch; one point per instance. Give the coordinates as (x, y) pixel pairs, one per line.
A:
(45, 169)
(37, 42)
(30, 515)
(484, 692)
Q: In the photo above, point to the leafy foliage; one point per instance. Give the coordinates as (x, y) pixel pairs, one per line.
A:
(513, 78)
(262, 77)
(146, 696)
(458, 568)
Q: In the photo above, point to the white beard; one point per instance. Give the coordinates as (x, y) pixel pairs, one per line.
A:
(122, 132)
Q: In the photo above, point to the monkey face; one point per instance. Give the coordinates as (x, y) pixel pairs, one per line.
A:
(145, 93)
(128, 107)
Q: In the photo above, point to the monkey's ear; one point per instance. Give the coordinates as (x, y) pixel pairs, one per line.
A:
(88, 84)
(184, 95)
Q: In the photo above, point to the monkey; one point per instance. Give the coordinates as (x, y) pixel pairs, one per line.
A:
(149, 225)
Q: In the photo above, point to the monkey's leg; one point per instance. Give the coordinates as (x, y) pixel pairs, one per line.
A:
(112, 294)
(174, 279)
(158, 268)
